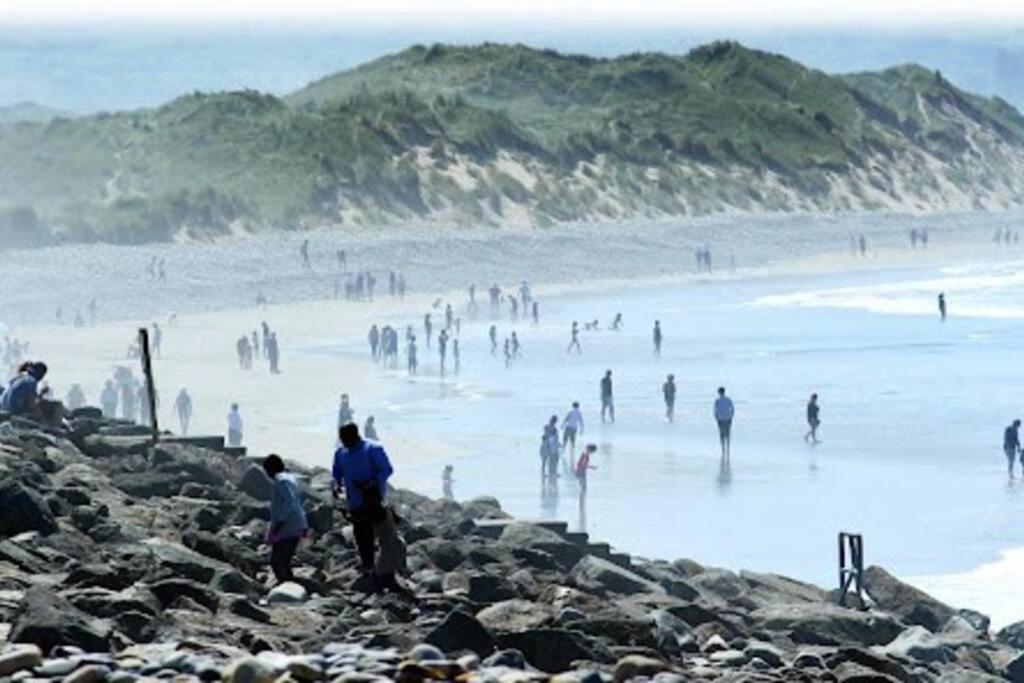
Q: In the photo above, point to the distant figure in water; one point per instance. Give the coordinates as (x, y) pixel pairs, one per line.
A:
(446, 483)
(862, 244)
(342, 259)
(535, 313)
(456, 356)
(508, 352)
(442, 348)
(183, 408)
(273, 352)
(514, 307)
(657, 337)
(617, 322)
(549, 449)
(304, 252)
(411, 351)
(493, 333)
(607, 402)
(1011, 446)
(812, 420)
(234, 426)
(572, 426)
(668, 390)
(428, 328)
(374, 338)
(158, 340)
(515, 345)
(574, 341)
(449, 317)
(370, 429)
(942, 307)
(583, 466)
(724, 412)
(345, 412)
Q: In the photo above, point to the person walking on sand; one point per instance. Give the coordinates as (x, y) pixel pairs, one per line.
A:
(345, 412)
(288, 523)
(942, 307)
(812, 420)
(657, 337)
(361, 471)
(370, 429)
(373, 336)
(574, 340)
(607, 402)
(668, 390)
(1011, 446)
(183, 408)
(273, 353)
(515, 345)
(583, 466)
(234, 427)
(724, 412)
(572, 426)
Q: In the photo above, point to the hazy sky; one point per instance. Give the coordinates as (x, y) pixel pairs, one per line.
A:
(874, 13)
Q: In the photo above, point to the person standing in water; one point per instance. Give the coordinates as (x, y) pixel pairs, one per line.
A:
(574, 340)
(572, 426)
(607, 402)
(508, 352)
(374, 338)
(158, 339)
(183, 408)
(411, 351)
(668, 390)
(1011, 446)
(657, 337)
(304, 252)
(288, 523)
(442, 348)
(456, 358)
(583, 466)
(549, 448)
(515, 345)
(234, 427)
(535, 313)
(428, 328)
(812, 420)
(942, 307)
(724, 412)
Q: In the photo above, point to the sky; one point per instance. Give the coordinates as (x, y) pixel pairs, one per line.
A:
(871, 13)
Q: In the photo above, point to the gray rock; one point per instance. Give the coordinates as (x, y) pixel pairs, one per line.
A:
(766, 652)
(48, 620)
(460, 631)
(524, 535)
(593, 571)
(23, 510)
(256, 483)
(244, 608)
(1012, 635)
(489, 588)
(730, 658)
(715, 643)
(918, 643)
(904, 601)
(870, 659)
(515, 615)
(850, 672)
(426, 653)
(288, 593)
(91, 673)
(550, 650)
(511, 659)
(104, 446)
(1015, 669)
(250, 670)
(168, 591)
(808, 660)
(828, 624)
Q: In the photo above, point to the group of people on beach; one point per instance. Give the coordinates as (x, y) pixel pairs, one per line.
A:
(79, 318)
(248, 348)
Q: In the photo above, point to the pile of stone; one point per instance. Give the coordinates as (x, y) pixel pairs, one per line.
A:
(122, 560)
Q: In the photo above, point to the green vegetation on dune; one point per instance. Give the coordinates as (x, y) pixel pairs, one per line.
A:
(495, 132)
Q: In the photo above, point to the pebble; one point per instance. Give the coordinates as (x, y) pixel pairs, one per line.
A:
(20, 658)
(61, 666)
(631, 666)
(92, 673)
(425, 653)
(288, 593)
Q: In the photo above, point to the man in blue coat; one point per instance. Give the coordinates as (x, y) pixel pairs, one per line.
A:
(361, 469)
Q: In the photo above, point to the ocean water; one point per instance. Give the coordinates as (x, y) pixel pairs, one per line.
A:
(912, 414)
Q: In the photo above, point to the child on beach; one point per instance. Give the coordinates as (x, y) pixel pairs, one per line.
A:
(583, 465)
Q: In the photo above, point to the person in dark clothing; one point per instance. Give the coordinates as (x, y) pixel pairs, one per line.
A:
(942, 307)
(657, 337)
(1011, 445)
(668, 390)
(287, 518)
(607, 404)
(812, 420)
(361, 470)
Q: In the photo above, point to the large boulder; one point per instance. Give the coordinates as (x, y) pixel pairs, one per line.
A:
(775, 589)
(47, 620)
(827, 624)
(105, 446)
(551, 650)
(256, 483)
(594, 572)
(918, 643)
(911, 605)
(461, 631)
(525, 535)
(515, 615)
(23, 509)
(871, 660)
(1012, 635)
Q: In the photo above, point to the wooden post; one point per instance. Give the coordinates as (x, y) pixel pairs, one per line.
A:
(147, 370)
(852, 574)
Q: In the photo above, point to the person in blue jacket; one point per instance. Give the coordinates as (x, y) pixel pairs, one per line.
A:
(287, 518)
(361, 469)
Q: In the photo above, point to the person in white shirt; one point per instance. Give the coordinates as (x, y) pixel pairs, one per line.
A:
(234, 427)
(572, 426)
(724, 412)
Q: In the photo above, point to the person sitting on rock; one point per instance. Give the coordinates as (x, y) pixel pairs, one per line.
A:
(21, 397)
(287, 518)
(361, 468)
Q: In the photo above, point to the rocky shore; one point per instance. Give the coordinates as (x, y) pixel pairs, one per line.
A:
(121, 560)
